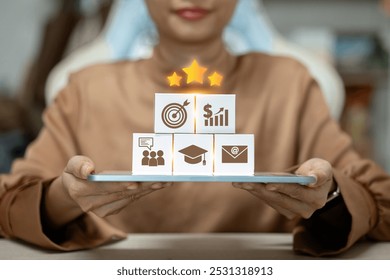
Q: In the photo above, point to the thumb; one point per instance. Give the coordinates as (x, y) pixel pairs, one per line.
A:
(318, 168)
(80, 167)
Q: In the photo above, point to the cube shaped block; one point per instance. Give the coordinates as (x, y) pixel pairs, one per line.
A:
(193, 154)
(174, 113)
(234, 154)
(215, 113)
(152, 154)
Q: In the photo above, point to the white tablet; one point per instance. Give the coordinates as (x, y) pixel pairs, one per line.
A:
(267, 178)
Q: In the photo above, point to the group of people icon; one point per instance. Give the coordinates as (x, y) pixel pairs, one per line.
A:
(152, 158)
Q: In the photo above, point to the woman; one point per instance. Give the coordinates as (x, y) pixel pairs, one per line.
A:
(48, 201)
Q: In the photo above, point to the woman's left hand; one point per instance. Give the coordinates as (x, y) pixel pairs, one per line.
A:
(294, 200)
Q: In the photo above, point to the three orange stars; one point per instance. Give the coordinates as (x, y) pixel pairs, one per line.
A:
(195, 74)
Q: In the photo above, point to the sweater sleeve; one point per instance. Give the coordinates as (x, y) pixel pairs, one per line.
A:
(22, 191)
(363, 210)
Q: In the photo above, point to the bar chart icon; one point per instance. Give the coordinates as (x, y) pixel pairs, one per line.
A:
(221, 118)
(215, 113)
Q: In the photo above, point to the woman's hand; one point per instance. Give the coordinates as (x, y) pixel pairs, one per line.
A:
(72, 194)
(103, 199)
(292, 200)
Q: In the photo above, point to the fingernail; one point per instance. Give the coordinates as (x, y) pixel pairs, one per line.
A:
(156, 186)
(316, 179)
(132, 187)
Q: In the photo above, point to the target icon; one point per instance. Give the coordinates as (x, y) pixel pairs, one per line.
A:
(174, 115)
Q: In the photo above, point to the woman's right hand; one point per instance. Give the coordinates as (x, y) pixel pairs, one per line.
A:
(106, 198)
(71, 194)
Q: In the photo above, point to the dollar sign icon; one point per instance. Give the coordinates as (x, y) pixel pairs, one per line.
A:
(209, 113)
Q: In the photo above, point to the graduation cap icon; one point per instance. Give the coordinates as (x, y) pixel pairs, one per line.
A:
(194, 154)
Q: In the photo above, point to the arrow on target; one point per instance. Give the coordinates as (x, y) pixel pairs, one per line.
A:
(186, 103)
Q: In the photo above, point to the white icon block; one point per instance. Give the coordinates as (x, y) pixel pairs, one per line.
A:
(152, 154)
(234, 154)
(215, 113)
(174, 113)
(193, 154)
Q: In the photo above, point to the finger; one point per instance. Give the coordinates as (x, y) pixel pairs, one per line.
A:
(297, 207)
(92, 202)
(116, 206)
(296, 191)
(313, 197)
(254, 190)
(80, 167)
(80, 187)
(285, 212)
(282, 201)
(108, 188)
(144, 189)
(154, 185)
(162, 185)
(247, 186)
(113, 207)
(318, 168)
(93, 188)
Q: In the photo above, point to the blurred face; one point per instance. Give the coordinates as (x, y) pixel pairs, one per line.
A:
(191, 20)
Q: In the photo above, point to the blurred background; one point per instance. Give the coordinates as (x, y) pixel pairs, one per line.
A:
(353, 36)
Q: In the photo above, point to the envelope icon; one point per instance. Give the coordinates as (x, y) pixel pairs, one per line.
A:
(234, 154)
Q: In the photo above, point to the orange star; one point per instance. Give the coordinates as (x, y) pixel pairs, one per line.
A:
(195, 72)
(215, 79)
(174, 80)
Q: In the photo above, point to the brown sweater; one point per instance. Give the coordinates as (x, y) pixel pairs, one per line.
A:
(277, 100)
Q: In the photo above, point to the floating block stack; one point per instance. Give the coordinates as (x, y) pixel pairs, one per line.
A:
(194, 134)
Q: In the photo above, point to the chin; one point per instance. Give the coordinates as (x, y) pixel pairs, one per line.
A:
(194, 36)
(193, 32)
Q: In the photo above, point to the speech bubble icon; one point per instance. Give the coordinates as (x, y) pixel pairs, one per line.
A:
(146, 142)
